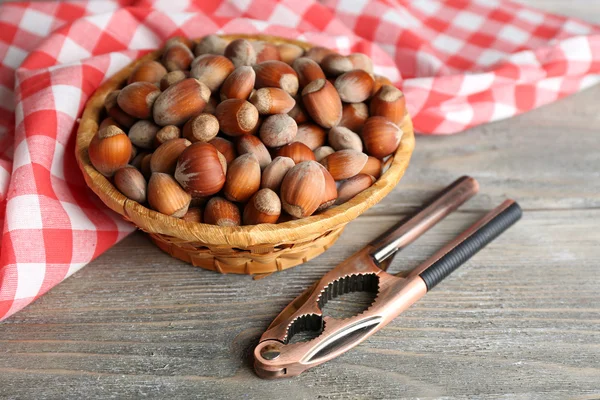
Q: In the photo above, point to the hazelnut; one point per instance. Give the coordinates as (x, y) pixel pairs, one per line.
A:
(341, 138)
(361, 61)
(225, 147)
(110, 150)
(289, 52)
(297, 151)
(297, 112)
(353, 186)
(177, 57)
(172, 78)
(344, 164)
(272, 101)
(354, 86)
(273, 174)
(137, 98)
(116, 112)
(302, 189)
(372, 167)
(212, 70)
(150, 71)
(252, 144)
(221, 212)
(237, 117)
(322, 152)
(317, 53)
(166, 196)
(265, 51)
(180, 102)
(193, 214)
(165, 134)
(201, 170)
(239, 83)
(379, 81)
(263, 208)
(330, 192)
(278, 130)
(143, 133)
(243, 178)
(311, 135)
(381, 136)
(211, 44)
(322, 103)
(164, 159)
(389, 102)
(131, 183)
(276, 74)
(201, 128)
(354, 116)
(240, 52)
(335, 64)
(308, 70)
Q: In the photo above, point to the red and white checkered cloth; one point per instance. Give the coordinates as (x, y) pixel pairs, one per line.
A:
(460, 63)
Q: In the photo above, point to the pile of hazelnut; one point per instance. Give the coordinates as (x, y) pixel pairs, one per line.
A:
(248, 132)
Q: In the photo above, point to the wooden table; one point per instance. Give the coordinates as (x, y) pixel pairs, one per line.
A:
(521, 319)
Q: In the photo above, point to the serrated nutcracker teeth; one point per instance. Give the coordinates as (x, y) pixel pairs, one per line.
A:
(349, 284)
(304, 323)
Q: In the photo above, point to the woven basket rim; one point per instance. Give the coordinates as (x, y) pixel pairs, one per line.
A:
(212, 235)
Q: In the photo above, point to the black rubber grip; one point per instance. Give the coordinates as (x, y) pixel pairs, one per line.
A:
(470, 246)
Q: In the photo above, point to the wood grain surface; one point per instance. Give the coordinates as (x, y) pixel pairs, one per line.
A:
(521, 320)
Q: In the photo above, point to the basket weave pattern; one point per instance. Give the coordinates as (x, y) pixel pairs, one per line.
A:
(259, 249)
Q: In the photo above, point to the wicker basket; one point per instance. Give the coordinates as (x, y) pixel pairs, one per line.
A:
(259, 249)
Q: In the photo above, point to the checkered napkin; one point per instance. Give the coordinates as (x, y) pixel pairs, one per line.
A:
(460, 63)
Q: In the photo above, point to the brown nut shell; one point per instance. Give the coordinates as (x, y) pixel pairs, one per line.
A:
(308, 70)
(143, 133)
(172, 78)
(302, 189)
(263, 208)
(212, 70)
(240, 52)
(164, 158)
(201, 128)
(252, 144)
(361, 61)
(273, 174)
(243, 178)
(150, 71)
(180, 102)
(322, 103)
(225, 147)
(330, 193)
(389, 102)
(335, 64)
(353, 186)
(221, 212)
(177, 57)
(276, 74)
(237, 117)
(372, 167)
(194, 214)
(381, 137)
(379, 82)
(179, 40)
(278, 130)
(289, 52)
(311, 135)
(341, 138)
(201, 170)
(297, 112)
(344, 164)
(322, 152)
(130, 181)
(211, 44)
(145, 166)
(354, 86)
(354, 116)
(272, 101)
(239, 83)
(166, 196)
(265, 51)
(318, 53)
(137, 99)
(115, 112)
(110, 150)
(297, 151)
(165, 134)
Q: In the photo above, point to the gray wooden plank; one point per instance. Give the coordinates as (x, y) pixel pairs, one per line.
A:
(522, 319)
